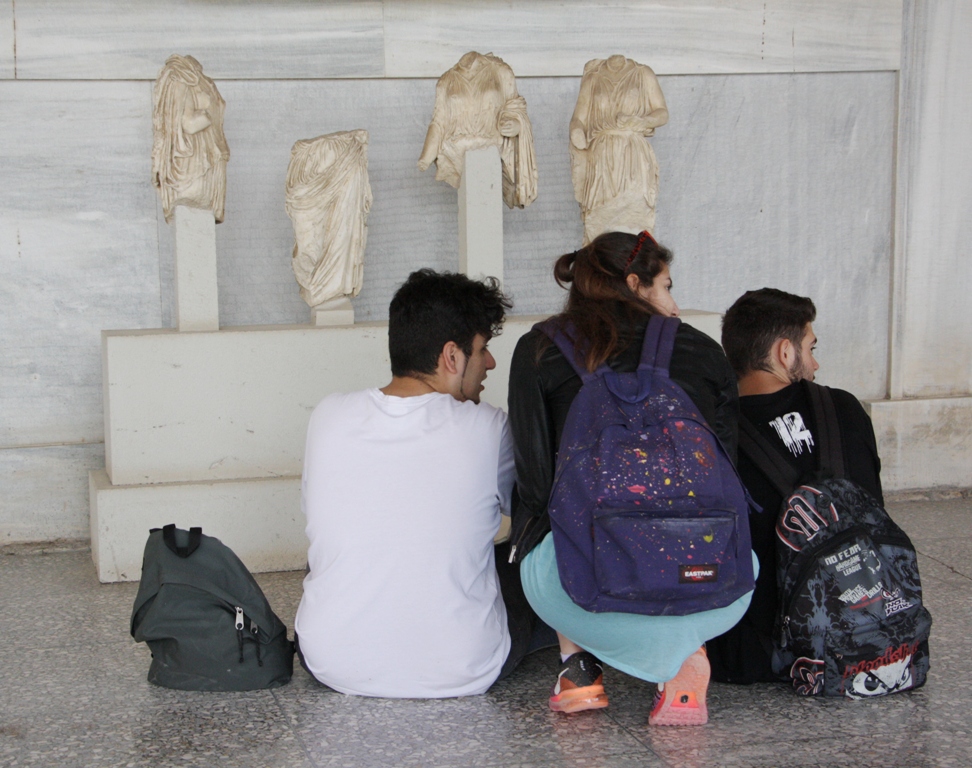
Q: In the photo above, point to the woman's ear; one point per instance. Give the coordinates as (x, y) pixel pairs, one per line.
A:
(633, 282)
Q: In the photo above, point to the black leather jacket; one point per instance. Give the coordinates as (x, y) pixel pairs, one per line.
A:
(540, 394)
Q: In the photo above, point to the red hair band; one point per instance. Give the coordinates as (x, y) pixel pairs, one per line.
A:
(645, 235)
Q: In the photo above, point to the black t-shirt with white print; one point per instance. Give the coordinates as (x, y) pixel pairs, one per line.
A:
(785, 419)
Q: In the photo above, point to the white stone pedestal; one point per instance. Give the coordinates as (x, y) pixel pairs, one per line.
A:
(260, 520)
(481, 214)
(197, 298)
(208, 429)
(333, 312)
(923, 442)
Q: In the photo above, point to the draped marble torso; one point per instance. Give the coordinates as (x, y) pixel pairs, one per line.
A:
(613, 167)
(189, 150)
(328, 200)
(477, 106)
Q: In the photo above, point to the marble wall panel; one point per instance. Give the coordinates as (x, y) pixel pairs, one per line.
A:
(45, 491)
(7, 60)
(259, 39)
(78, 249)
(698, 36)
(932, 355)
(786, 181)
(103, 39)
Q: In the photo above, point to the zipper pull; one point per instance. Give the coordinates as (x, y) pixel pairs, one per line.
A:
(512, 553)
(239, 630)
(253, 630)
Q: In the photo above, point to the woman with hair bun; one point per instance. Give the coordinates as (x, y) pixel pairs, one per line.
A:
(614, 285)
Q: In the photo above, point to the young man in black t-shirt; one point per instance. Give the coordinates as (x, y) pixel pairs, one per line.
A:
(768, 337)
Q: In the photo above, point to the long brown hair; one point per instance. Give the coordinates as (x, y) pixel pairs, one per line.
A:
(602, 309)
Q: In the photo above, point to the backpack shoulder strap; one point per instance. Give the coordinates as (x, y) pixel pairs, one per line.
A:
(563, 338)
(767, 459)
(831, 455)
(656, 350)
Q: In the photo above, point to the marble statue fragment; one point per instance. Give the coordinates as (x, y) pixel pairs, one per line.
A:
(477, 106)
(613, 167)
(328, 200)
(189, 150)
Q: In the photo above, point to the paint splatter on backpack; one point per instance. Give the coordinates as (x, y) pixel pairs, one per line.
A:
(851, 621)
(647, 511)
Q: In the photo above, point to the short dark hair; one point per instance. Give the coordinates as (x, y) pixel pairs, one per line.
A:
(433, 308)
(756, 320)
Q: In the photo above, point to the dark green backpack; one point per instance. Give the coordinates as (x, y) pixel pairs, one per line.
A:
(205, 619)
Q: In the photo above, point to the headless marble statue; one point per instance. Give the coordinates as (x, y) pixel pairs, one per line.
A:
(477, 106)
(613, 166)
(189, 151)
(328, 200)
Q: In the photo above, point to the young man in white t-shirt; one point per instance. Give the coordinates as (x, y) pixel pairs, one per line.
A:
(403, 488)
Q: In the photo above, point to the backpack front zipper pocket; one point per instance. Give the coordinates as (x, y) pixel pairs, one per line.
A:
(640, 554)
(884, 577)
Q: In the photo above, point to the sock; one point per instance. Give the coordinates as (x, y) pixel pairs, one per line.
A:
(564, 657)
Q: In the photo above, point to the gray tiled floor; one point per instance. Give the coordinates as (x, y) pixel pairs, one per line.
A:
(73, 693)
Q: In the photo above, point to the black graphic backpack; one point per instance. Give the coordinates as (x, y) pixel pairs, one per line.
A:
(205, 619)
(647, 511)
(851, 621)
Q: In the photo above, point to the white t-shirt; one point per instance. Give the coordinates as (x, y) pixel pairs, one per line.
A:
(402, 498)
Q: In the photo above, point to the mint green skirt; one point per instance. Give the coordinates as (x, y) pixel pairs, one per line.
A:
(647, 647)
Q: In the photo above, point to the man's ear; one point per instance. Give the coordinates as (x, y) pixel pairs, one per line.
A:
(449, 358)
(784, 353)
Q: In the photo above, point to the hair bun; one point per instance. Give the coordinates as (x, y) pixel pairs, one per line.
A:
(564, 268)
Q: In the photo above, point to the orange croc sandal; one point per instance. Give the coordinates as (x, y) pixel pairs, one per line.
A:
(681, 701)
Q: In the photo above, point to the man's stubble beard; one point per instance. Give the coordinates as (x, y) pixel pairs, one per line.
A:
(799, 372)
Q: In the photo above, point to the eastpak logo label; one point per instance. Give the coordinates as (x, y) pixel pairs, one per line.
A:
(695, 574)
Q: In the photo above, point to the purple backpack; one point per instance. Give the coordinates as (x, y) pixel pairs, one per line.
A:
(647, 511)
